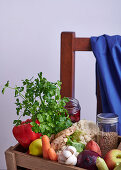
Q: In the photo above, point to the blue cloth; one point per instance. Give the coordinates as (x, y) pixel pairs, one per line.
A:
(107, 50)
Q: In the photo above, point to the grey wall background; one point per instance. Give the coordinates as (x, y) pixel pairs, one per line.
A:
(30, 42)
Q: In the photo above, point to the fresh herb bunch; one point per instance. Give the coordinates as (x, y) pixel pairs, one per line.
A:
(41, 100)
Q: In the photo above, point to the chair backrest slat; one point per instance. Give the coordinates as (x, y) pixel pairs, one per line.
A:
(82, 44)
(69, 44)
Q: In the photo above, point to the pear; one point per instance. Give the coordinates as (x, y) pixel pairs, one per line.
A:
(101, 164)
(118, 167)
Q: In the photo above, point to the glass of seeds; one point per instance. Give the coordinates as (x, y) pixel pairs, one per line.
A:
(107, 137)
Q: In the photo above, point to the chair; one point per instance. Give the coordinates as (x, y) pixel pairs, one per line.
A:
(69, 44)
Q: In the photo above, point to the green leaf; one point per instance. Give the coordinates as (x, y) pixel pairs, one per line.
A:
(16, 92)
(5, 86)
(78, 145)
(40, 117)
(17, 122)
(33, 123)
(3, 90)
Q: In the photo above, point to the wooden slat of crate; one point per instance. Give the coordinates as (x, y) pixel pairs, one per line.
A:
(32, 162)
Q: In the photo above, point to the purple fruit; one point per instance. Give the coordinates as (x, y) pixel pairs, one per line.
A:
(87, 159)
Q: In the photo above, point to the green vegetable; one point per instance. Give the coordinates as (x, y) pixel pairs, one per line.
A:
(76, 135)
(78, 145)
(41, 100)
(101, 164)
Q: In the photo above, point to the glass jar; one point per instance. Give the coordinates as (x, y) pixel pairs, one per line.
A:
(73, 108)
(107, 137)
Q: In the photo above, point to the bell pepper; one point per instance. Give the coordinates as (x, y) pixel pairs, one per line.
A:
(24, 134)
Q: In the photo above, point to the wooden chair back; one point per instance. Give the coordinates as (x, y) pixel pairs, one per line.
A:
(69, 44)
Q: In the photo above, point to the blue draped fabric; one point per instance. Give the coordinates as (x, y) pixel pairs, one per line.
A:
(107, 50)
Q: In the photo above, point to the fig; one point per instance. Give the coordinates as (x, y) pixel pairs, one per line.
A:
(87, 159)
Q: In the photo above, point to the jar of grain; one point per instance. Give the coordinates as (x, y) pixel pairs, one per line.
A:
(107, 137)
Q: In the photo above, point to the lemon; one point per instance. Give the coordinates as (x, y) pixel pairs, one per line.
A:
(35, 148)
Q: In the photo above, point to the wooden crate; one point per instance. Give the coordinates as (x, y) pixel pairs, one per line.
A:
(18, 159)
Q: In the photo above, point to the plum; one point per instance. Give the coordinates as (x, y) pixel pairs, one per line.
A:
(87, 159)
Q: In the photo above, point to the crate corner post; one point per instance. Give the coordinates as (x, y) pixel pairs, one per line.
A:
(10, 160)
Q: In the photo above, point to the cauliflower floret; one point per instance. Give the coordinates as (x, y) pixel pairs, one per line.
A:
(87, 138)
(85, 131)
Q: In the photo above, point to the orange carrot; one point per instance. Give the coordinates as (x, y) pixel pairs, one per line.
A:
(52, 154)
(45, 146)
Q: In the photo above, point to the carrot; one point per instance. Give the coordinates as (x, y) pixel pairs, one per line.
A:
(52, 154)
(45, 146)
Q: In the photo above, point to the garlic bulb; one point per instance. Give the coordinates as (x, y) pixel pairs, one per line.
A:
(72, 149)
(68, 156)
(72, 160)
(67, 153)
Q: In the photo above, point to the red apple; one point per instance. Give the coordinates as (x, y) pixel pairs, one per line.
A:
(93, 146)
(112, 158)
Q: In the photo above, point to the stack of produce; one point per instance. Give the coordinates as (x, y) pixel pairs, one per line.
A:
(49, 132)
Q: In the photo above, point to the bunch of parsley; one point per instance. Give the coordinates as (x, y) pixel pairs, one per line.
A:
(41, 100)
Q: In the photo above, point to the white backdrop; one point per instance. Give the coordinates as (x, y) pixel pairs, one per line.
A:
(30, 42)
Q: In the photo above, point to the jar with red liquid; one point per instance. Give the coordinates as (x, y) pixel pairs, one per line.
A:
(73, 109)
